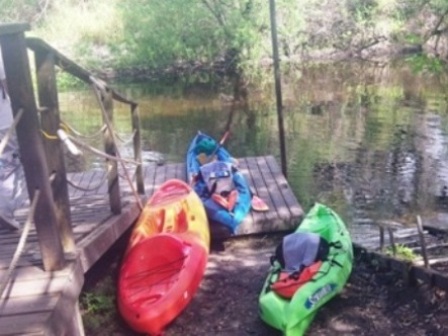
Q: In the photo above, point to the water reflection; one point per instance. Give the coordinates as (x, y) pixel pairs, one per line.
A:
(369, 141)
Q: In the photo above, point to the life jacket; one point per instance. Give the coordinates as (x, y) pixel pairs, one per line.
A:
(218, 177)
(288, 283)
(300, 256)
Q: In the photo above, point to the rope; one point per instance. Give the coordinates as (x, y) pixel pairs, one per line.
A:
(8, 134)
(97, 152)
(109, 126)
(48, 136)
(100, 153)
(128, 141)
(69, 129)
(23, 237)
(96, 187)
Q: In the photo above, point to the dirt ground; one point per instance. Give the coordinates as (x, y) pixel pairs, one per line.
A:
(374, 301)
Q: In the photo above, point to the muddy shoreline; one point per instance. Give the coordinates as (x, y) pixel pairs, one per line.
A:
(375, 300)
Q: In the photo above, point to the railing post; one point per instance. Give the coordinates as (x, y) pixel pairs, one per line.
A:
(278, 87)
(32, 155)
(109, 148)
(137, 148)
(50, 122)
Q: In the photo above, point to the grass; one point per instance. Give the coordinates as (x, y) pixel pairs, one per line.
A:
(98, 308)
(402, 252)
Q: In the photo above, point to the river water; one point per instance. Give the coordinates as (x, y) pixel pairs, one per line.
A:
(368, 140)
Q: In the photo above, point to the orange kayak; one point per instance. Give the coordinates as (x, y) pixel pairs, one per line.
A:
(165, 260)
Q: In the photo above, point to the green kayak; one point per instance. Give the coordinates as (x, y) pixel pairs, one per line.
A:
(293, 316)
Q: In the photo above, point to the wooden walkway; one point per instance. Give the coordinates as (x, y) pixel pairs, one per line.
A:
(45, 303)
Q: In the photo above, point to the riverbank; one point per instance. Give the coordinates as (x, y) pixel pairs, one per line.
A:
(374, 302)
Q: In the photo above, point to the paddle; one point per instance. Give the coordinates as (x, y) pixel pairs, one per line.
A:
(257, 204)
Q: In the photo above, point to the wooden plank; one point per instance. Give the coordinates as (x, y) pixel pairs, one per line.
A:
(126, 189)
(75, 180)
(31, 272)
(82, 228)
(50, 282)
(183, 172)
(432, 261)
(97, 184)
(159, 177)
(105, 100)
(273, 220)
(13, 239)
(136, 142)
(93, 207)
(150, 176)
(101, 239)
(102, 176)
(23, 325)
(13, 28)
(8, 251)
(41, 303)
(32, 154)
(76, 327)
(86, 183)
(71, 67)
(180, 172)
(24, 261)
(290, 198)
(67, 306)
(278, 201)
(170, 171)
(50, 123)
(403, 233)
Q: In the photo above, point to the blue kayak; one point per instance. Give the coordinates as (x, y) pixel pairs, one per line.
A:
(222, 188)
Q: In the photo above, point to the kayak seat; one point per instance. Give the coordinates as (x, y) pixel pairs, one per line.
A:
(287, 284)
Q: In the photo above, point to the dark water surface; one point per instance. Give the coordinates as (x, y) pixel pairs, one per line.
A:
(369, 141)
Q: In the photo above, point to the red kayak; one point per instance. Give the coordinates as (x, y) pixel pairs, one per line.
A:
(166, 259)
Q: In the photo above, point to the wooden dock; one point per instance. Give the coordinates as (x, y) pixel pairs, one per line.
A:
(45, 303)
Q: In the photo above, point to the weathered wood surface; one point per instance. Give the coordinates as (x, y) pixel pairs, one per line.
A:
(50, 123)
(404, 236)
(91, 215)
(31, 149)
(39, 303)
(62, 61)
(13, 28)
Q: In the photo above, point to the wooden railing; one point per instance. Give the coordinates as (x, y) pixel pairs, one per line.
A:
(41, 157)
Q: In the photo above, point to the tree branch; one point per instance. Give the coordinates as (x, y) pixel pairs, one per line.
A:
(435, 30)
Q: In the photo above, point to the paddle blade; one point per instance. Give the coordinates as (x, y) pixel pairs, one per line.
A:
(258, 204)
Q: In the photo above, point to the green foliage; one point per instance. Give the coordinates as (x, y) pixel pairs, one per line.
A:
(97, 303)
(98, 308)
(403, 252)
(145, 34)
(19, 10)
(363, 10)
(167, 32)
(420, 63)
(66, 81)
